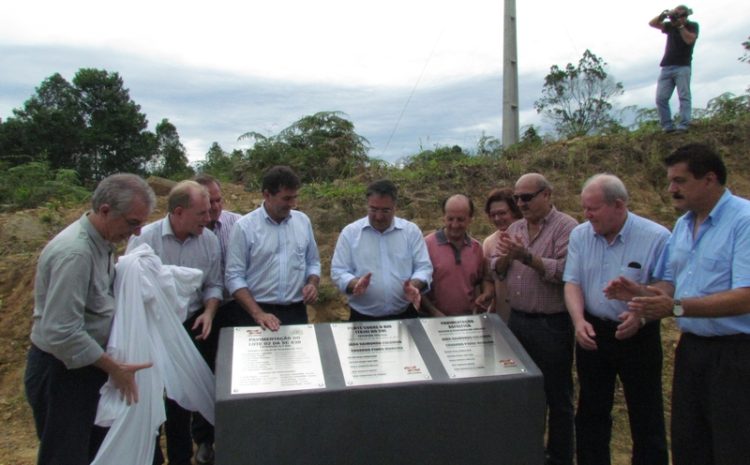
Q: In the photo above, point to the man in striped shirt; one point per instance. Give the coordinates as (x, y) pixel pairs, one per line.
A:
(221, 224)
(531, 256)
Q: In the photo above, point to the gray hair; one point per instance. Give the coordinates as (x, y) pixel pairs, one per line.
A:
(612, 187)
(181, 194)
(119, 190)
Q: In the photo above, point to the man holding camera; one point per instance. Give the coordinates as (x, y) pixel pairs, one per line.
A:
(675, 65)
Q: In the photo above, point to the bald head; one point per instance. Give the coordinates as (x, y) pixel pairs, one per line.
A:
(459, 201)
(533, 195)
(604, 203)
(611, 187)
(535, 180)
(457, 212)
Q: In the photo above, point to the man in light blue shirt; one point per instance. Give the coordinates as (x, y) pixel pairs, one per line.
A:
(381, 261)
(182, 239)
(612, 341)
(705, 283)
(273, 265)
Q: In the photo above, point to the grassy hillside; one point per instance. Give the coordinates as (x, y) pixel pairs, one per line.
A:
(635, 157)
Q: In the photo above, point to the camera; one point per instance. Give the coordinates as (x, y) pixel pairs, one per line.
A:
(674, 15)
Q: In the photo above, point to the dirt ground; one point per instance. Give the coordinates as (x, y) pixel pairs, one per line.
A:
(24, 233)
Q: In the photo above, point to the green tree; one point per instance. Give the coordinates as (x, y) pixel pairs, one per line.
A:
(49, 127)
(218, 164)
(115, 138)
(31, 184)
(91, 126)
(489, 146)
(170, 160)
(319, 147)
(577, 98)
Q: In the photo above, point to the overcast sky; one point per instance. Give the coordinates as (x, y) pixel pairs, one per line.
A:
(409, 74)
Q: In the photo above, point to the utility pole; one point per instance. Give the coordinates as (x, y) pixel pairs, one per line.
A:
(510, 75)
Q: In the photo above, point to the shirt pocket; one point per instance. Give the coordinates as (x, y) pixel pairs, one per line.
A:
(298, 260)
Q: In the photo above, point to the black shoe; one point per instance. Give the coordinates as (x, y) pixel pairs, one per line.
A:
(669, 131)
(681, 130)
(205, 454)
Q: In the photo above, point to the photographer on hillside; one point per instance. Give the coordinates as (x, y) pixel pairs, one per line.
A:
(675, 65)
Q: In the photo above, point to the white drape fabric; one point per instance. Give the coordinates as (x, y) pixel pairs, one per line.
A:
(151, 301)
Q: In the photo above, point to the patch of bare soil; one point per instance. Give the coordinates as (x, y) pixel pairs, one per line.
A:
(23, 234)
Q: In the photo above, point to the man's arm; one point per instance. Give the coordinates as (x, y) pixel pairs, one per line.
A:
(342, 265)
(421, 277)
(238, 260)
(206, 318)
(733, 302)
(312, 268)
(574, 301)
(431, 308)
(122, 375)
(310, 289)
(248, 303)
(658, 21)
(688, 36)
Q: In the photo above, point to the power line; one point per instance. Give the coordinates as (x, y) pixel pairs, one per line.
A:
(414, 89)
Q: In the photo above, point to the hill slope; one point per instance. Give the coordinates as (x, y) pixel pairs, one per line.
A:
(636, 159)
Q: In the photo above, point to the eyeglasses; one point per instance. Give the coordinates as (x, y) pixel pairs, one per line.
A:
(375, 210)
(526, 198)
(134, 224)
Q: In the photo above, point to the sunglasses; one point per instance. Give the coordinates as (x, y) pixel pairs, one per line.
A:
(526, 198)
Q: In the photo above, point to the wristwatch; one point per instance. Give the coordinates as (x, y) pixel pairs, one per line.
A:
(677, 310)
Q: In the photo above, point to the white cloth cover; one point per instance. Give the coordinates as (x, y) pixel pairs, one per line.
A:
(151, 301)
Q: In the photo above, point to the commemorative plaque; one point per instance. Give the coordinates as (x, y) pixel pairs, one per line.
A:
(470, 346)
(378, 352)
(397, 392)
(273, 361)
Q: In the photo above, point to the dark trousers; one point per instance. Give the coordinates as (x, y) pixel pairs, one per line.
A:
(64, 404)
(638, 363)
(410, 312)
(548, 339)
(711, 401)
(178, 425)
(232, 314)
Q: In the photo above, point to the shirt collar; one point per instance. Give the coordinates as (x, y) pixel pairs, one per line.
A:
(442, 238)
(397, 223)
(103, 245)
(716, 213)
(166, 227)
(271, 220)
(624, 232)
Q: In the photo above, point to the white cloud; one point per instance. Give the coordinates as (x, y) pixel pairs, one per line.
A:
(219, 69)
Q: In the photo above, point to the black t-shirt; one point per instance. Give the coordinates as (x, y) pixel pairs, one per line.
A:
(678, 53)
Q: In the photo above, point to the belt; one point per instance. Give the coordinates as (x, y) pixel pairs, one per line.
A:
(538, 314)
(728, 337)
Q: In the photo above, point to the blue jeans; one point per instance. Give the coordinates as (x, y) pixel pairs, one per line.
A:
(669, 78)
(549, 340)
